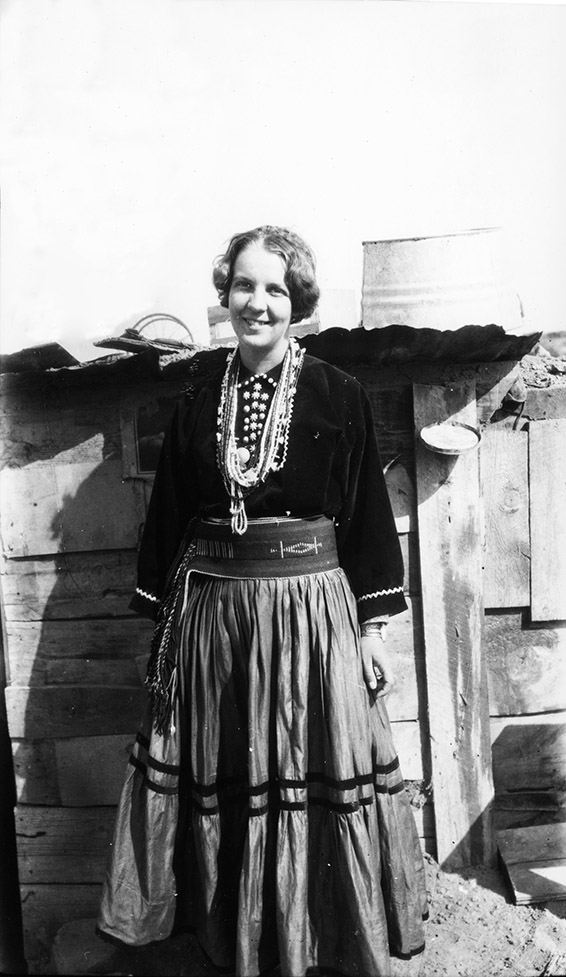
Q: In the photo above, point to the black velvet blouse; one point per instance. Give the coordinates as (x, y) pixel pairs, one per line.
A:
(332, 468)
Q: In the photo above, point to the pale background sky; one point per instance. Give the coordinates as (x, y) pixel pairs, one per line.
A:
(138, 135)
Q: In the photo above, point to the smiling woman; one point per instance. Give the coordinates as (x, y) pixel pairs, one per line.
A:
(298, 266)
(260, 307)
(265, 808)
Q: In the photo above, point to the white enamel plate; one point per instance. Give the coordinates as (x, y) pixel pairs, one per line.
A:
(450, 437)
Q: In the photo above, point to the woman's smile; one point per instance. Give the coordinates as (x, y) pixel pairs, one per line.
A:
(260, 307)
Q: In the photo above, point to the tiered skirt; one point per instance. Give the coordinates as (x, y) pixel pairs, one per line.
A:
(270, 818)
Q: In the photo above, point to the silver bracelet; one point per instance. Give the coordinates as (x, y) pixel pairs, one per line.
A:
(373, 627)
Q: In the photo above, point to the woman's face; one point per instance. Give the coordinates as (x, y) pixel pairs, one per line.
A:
(260, 307)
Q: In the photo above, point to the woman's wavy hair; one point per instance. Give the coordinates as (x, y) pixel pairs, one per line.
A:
(299, 261)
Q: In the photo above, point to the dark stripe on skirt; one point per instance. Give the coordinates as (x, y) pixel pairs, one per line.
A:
(150, 784)
(208, 790)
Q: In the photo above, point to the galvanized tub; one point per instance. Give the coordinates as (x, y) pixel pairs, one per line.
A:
(440, 282)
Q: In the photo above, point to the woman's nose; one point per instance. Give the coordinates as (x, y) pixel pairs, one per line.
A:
(258, 299)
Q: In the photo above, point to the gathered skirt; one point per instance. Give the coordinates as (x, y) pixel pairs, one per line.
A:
(270, 818)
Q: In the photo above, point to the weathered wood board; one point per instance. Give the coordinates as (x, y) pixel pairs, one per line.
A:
(74, 772)
(526, 666)
(448, 494)
(392, 406)
(504, 462)
(71, 435)
(57, 711)
(516, 808)
(424, 822)
(44, 652)
(58, 508)
(389, 390)
(45, 908)
(410, 553)
(411, 750)
(402, 495)
(63, 844)
(69, 586)
(493, 381)
(535, 860)
(100, 672)
(547, 475)
(404, 643)
(529, 752)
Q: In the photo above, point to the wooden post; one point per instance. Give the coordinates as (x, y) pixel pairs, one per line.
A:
(450, 531)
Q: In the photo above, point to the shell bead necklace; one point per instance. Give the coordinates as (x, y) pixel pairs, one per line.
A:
(245, 467)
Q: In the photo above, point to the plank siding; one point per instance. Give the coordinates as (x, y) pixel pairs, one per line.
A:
(547, 474)
(57, 711)
(526, 665)
(402, 494)
(63, 844)
(76, 655)
(529, 751)
(72, 772)
(46, 908)
(69, 586)
(448, 492)
(407, 700)
(69, 508)
(40, 652)
(504, 461)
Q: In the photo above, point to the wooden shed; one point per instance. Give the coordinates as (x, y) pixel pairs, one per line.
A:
(480, 705)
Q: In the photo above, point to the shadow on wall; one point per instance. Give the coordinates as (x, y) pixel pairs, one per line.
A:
(79, 699)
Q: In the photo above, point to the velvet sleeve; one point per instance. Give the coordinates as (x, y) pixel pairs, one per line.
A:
(368, 543)
(173, 502)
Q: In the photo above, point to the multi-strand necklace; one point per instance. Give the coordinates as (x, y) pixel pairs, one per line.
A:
(244, 466)
(256, 393)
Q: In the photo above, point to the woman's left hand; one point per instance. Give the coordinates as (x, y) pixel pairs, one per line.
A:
(378, 673)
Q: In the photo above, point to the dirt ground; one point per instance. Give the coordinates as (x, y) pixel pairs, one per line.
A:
(474, 930)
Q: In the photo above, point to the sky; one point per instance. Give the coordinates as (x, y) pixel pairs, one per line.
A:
(138, 135)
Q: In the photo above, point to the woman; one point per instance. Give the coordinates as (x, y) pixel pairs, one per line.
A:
(264, 807)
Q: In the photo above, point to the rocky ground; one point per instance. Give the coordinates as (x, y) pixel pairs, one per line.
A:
(475, 930)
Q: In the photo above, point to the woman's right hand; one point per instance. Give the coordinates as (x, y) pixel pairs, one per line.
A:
(378, 672)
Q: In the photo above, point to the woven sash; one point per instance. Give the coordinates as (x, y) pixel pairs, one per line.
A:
(270, 548)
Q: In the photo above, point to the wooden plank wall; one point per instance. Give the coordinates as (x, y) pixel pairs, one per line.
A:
(75, 654)
(547, 480)
(524, 491)
(448, 493)
(392, 404)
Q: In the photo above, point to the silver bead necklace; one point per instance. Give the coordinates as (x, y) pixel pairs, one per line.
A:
(241, 470)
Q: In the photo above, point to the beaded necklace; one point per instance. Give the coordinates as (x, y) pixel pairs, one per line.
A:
(256, 393)
(243, 469)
